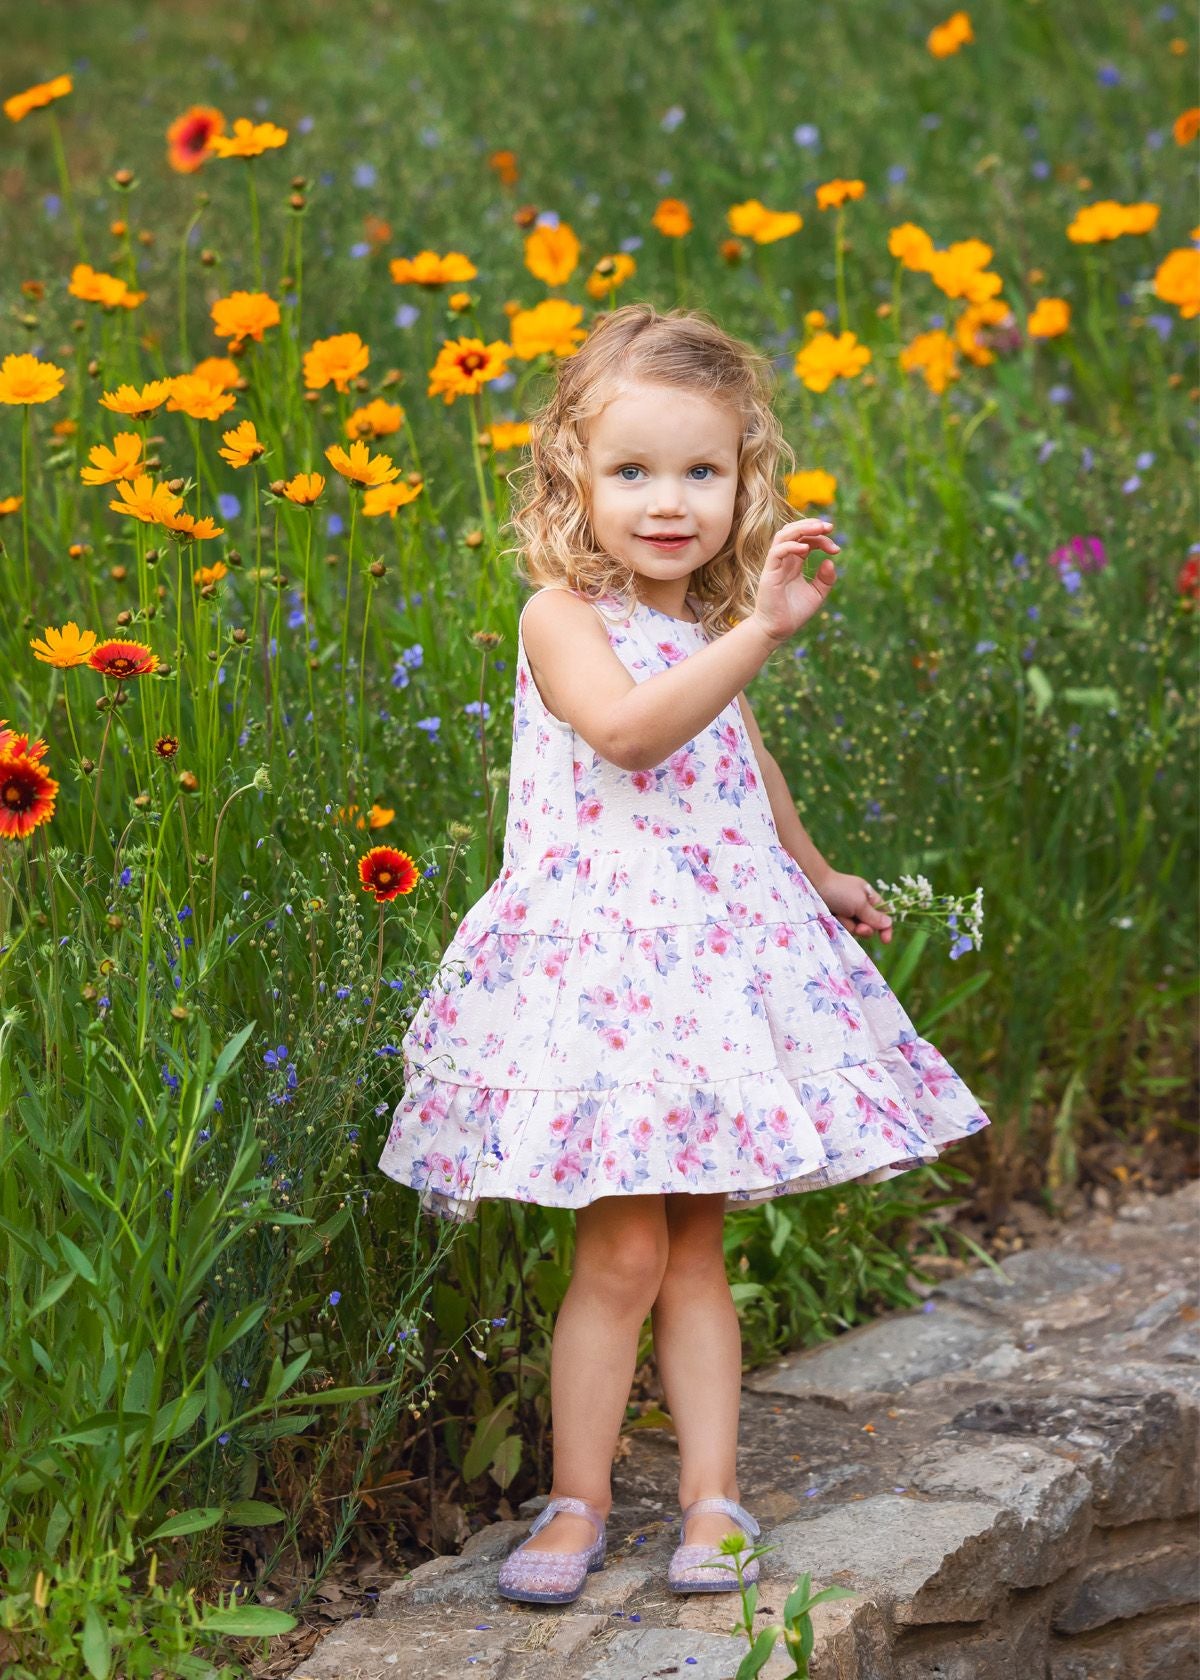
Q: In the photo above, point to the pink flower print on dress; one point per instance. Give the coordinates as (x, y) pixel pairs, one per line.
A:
(728, 778)
(689, 1162)
(641, 1134)
(554, 861)
(569, 1168)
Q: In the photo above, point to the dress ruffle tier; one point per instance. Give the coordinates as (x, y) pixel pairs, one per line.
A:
(651, 997)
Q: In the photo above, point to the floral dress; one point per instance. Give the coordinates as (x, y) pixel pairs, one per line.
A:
(651, 998)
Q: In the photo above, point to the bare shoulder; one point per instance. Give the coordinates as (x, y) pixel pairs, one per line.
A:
(579, 677)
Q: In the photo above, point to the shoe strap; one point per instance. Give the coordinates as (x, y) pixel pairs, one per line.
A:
(568, 1502)
(729, 1507)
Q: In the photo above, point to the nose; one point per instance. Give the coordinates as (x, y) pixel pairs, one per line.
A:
(666, 498)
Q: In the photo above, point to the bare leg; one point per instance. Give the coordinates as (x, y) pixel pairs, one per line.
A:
(620, 1252)
(698, 1349)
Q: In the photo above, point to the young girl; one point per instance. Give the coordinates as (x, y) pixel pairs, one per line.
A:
(660, 1003)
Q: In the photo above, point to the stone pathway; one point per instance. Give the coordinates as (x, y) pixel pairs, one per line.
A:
(1007, 1478)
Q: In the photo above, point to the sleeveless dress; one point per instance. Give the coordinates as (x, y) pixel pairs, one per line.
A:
(650, 997)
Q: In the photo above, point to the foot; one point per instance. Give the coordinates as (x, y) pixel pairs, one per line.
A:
(709, 1528)
(565, 1532)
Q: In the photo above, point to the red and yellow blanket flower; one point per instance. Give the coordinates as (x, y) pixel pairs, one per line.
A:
(358, 466)
(244, 315)
(189, 138)
(551, 329)
(25, 379)
(135, 404)
(64, 648)
(387, 872)
(19, 105)
(428, 269)
(826, 358)
(464, 366)
(552, 253)
(752, 220)
(242, 445)
(248, 140)
(340, 359)
(123, 460)
(123, 660)
(27, 789)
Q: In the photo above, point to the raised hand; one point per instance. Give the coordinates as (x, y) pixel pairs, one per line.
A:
(786, 599)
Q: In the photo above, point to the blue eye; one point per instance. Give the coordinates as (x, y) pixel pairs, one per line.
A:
(623, 470)
(702, 469)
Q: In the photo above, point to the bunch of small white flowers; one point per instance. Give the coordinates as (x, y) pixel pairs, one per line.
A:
(914, 898)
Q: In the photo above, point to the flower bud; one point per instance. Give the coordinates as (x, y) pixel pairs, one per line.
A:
(123, 178)
(188, 782)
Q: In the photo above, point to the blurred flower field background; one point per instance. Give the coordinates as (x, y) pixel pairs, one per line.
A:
(281, 286)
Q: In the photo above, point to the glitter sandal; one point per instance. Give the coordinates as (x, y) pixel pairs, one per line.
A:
(684, 1573)
(552, 1577)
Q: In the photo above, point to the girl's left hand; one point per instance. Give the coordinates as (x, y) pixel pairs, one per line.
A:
(853, 901)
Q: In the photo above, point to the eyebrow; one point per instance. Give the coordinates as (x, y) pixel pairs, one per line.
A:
(610, 457)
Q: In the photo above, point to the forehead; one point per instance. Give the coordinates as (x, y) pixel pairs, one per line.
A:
(662, 420)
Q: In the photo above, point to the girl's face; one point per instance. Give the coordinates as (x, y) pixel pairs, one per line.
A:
(664, 465)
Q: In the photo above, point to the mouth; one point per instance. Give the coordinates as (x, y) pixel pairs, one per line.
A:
(672, 539)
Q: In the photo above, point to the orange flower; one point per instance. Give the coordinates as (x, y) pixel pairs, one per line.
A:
(810, 489)
(992, 312)
(27, 794)
(1106, 219)
(948, 37)
(752, 220)
(375, 420)
(204, 575)
(359, 466)
(552, 253)
(835, 193)
(9, 504)
(672, 218)
(188, 528)
(935, 355)
(552, 328)
(219, 370)
(20, 104)
(505, 165)
(1050, 319)
(244, 315)
(135, 404)
(24, 379)
(464, 365)
(1186, 125)
(91, 285)
(428, 269)
(386, 872)
(64, 648)
(1177, 281)
(12, 742)
(609, 273)
(145, 500)
(190, 135)
(123, 460)
(961, 271)
(198, 398)
(912, 246)
(304, 489)
(122, 660)
(243, 443)
(340, 358)
(508, 436)
(389, 498)
(826, 358)
(248, 140)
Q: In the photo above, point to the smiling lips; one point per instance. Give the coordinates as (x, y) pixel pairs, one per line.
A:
(668, 540)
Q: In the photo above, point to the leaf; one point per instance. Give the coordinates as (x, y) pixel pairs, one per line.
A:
(52, 1292)
(77, 1259)
(487, 1438)
(1043, 692)
(336, 1396)
(758, 1655)
(96, 1644)
(174, 1420)
(253, 1513)
(249, 1623)
(506, 1461)
(188, 1522)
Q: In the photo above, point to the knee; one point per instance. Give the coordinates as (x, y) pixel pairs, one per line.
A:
(695, 1254)
(626, 1270)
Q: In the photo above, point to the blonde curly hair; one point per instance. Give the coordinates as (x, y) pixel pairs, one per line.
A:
(551, 491)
